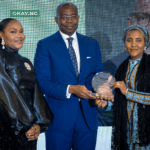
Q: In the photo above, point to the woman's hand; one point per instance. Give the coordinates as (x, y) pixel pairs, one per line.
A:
(33, 132)
(101, 103)
(121, 85)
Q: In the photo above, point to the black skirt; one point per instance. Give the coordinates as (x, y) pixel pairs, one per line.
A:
(11, 142)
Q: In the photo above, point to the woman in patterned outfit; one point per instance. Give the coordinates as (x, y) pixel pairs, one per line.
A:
(24, 112)
(131, 130)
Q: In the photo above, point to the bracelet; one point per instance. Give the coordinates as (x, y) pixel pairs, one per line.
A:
(126, 91)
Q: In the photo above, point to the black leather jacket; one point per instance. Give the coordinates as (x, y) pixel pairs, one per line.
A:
(21, 101)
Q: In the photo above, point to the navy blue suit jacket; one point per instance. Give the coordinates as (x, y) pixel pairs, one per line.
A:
(55, 71)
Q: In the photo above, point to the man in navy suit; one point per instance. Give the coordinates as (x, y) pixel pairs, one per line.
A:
(62, 63)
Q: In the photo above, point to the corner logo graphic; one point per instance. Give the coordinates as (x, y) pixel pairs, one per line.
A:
(24, 13)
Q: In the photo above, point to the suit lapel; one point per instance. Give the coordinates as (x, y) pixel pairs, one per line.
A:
(62, 49)
(83, 52)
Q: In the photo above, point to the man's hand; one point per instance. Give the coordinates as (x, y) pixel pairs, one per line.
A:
(101, 103)
(33, 132)
(80, 91)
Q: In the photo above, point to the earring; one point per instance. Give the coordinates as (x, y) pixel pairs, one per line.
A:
(3, 43)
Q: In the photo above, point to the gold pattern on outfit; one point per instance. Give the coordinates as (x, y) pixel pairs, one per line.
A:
(130, 116)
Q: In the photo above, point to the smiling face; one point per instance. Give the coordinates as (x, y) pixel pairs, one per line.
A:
(135, 44)
(13, 35)
(70, 25)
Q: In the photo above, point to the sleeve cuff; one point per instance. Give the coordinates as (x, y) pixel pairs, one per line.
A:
(68, 95)
(108, 108)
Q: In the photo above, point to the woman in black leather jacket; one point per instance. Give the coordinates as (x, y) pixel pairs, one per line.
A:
(24, 112)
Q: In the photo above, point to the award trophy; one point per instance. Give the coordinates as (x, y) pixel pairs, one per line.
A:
(101, 84)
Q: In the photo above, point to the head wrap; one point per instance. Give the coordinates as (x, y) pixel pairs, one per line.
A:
(142, 29)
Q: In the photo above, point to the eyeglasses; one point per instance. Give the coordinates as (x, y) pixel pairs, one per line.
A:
(139, 18)
(73, 17)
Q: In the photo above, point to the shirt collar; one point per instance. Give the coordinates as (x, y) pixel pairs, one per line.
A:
(11, 50)
(65, 36)
(135, 61)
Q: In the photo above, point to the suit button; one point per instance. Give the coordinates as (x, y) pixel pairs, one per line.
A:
(57, 97)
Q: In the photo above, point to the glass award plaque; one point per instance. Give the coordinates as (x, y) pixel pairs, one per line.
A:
(101, 84)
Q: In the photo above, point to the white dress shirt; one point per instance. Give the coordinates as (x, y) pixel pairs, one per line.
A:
(75, 46)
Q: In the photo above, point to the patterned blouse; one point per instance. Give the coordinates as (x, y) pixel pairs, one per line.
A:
(133, 97)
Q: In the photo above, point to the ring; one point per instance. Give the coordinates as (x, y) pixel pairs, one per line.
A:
(99, 106)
